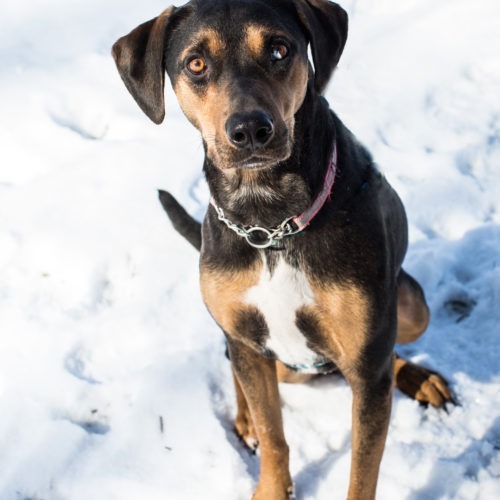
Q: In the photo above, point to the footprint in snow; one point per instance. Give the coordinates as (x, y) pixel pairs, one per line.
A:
(92, 425)
(459, 307)
(76, 365)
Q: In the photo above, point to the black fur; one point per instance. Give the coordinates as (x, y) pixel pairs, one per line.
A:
(186, 225)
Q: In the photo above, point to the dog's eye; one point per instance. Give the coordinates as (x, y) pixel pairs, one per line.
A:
(279, 51)
(197, 66)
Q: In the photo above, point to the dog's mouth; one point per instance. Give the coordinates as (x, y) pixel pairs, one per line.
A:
(227, 157)
(260, 162)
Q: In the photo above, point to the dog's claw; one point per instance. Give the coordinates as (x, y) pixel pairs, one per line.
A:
(453, 401)
(247, 438)
(252, 444)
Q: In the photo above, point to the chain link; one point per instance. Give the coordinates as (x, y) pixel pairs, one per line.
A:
(257, 236)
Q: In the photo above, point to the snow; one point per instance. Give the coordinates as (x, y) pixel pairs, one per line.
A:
(103, 332)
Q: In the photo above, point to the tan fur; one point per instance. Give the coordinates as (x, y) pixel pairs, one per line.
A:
(413, 314)
(243, 423)
(367, 446)
(289, 376)
(420, 383)
(258, 382)
(223, 293)
(293, 93)
(210, 38)
(343, 315)
(255, 39)
(204, 111)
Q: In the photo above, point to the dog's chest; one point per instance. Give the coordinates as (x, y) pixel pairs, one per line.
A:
(279, 295)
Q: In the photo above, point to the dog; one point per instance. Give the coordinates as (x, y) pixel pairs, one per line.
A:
(303, 241)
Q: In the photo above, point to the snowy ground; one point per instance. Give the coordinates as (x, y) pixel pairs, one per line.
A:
(113, 382)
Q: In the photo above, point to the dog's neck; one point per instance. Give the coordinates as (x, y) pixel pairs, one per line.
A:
(267, 197)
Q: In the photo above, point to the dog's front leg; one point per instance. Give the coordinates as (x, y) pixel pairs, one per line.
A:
(371, 408)
(258, 381)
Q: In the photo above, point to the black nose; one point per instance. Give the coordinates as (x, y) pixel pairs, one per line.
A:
(250, 130)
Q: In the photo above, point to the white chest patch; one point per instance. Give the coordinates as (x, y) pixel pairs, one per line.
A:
(278, 297)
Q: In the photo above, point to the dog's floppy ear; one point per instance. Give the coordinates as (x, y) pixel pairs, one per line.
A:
(326, 27)
(140, 59)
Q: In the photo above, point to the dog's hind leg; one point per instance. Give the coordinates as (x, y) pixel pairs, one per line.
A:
(422, 384)
(413, 313)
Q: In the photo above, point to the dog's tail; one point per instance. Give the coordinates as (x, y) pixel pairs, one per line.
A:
(183, 223)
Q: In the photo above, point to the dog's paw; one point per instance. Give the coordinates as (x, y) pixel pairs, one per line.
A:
(268, 492)
(244, 429)
(422, 384)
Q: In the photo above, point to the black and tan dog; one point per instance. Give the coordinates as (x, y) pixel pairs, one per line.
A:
(302, 245)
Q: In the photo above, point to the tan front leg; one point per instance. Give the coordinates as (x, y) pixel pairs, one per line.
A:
(243, 424)
(371, 411)
(257, 378)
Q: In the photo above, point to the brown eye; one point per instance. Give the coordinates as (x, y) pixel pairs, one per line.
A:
(197, 66)
(279, 51)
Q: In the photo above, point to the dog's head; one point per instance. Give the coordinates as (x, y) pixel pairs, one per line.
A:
(239, 69)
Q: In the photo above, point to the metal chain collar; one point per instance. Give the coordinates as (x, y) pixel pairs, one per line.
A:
(256, 236)
(261, 237)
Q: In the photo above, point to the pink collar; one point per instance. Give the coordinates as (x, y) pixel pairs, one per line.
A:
(261, 237)
(305, 218)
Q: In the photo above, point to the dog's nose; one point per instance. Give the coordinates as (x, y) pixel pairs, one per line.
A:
(250, 130)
